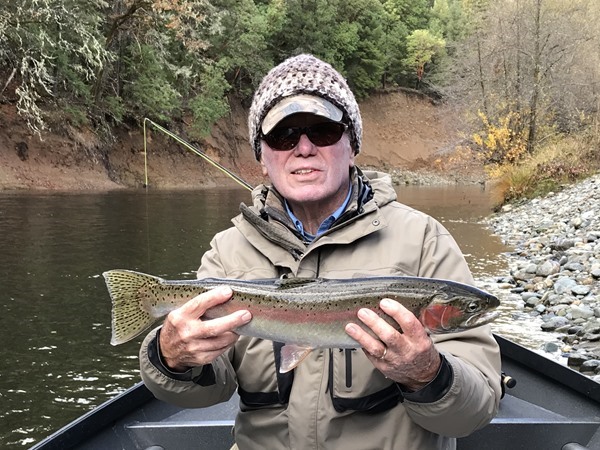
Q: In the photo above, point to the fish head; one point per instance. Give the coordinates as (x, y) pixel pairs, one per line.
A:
(458, 312)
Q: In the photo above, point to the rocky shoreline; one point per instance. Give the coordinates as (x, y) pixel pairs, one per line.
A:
(554, 270)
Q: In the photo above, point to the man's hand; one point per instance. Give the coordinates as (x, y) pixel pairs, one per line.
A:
(408, 357)
(186, 340)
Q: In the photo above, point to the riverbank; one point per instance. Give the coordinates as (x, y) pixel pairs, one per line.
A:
(554, 269)
(406, 135)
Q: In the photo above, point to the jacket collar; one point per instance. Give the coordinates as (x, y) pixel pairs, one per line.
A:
(267, 218)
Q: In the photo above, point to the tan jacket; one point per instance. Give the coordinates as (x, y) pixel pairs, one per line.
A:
(337, 399)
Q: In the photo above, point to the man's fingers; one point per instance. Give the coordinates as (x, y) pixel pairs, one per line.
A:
(197, 306)
(409, 324)
(380, 327)
(216, 344)
(369, 343)
(187, 323)
(220, 325)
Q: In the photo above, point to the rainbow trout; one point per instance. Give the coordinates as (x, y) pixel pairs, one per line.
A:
(303, 313)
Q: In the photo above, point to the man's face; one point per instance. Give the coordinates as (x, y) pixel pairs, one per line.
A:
(309, 175)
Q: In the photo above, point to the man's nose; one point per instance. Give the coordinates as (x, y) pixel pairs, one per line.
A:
(305, 147)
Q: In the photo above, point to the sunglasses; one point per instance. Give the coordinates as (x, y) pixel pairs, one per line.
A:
(321, 135)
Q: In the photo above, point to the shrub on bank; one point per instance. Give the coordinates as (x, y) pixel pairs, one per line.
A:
(555, 163)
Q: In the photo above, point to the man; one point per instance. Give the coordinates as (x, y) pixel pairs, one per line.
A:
(323, 217)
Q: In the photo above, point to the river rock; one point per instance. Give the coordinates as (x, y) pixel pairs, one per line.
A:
(564, 285)
(581, 289)
(577, 330)
(590, 365)
(531, 299)
(581, 312)
(591, 337)
(573, 267)
(555, 323)
(547, 268)
(577, 359)
(551, 347)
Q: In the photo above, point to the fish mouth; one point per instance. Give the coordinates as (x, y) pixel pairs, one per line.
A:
(482, 319)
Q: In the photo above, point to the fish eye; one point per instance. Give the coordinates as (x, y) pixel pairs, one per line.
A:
(473, 307)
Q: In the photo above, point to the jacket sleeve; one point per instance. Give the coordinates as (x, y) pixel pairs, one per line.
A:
(472, 399)
(199, 386)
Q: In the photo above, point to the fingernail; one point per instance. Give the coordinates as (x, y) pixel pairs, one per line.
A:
(246, 316)
(351, 328)
(386, 303)
(365, 313)
(225, 290)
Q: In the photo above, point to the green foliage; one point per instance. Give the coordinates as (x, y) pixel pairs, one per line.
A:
(115, 107)
(362, 61)
(151, 85)
(449, 21)
(421, 47)
(74, 114)
(169, 58)
(55, 48)
(241, 50)
(399, 19)
(210, 104)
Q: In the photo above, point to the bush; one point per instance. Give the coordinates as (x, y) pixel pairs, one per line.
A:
(560, 162)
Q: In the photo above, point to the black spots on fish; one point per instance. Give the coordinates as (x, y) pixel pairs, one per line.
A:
(245, 299)
(335, 306)
(312, 311)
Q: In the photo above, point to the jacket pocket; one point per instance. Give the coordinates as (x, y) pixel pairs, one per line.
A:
(355, 385)
(264, 387)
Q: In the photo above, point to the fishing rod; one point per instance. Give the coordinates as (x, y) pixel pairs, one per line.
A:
(193, 149)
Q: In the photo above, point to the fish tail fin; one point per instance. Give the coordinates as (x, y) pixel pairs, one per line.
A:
(129, 292)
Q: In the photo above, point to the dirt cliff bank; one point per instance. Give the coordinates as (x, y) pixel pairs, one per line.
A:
(405, 134)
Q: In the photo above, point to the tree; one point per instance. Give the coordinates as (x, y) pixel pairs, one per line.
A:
(52, 50)
(421, 48)
(531, 65)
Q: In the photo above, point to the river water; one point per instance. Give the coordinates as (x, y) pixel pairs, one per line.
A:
(56, 359)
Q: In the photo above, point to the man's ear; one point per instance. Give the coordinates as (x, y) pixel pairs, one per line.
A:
(263, 168)
(352, 155)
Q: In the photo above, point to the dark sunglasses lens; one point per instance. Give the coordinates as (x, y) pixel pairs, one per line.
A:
(283, 138)
(325, 134)
(322, 134)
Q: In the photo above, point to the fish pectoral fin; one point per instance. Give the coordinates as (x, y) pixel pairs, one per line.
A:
(292, 355)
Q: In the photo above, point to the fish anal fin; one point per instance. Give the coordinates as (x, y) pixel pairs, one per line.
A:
(292, 355)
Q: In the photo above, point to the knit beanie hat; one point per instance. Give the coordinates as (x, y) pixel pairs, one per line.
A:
(304, 74)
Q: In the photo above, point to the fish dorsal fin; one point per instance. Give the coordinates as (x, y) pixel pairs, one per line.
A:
(292, 355)
(291, 283)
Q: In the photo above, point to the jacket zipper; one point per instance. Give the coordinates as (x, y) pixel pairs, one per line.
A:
(349, 367)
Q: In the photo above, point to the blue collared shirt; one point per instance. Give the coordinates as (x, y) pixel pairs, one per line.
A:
(325, 225)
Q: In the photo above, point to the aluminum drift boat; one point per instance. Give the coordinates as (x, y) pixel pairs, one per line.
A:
(551, 407)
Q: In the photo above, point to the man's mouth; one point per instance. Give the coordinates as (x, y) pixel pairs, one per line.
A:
(303, 171)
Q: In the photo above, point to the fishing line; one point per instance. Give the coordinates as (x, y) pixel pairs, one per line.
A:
(147, 213)
(193, 149)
